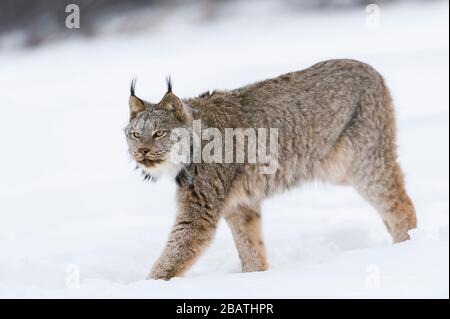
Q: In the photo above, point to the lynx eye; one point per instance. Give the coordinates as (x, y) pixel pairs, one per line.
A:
(159, 134)
(136, 135)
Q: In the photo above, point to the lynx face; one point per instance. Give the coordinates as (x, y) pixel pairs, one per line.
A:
(149, 132)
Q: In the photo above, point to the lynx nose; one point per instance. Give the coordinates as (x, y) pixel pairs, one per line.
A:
(143, 151)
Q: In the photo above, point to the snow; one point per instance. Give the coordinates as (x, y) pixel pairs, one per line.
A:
(72, 207)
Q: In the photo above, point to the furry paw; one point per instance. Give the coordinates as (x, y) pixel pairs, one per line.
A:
(158, 274)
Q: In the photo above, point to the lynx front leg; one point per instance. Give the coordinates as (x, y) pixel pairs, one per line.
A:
(190, 235)
(200, 203)
(245, 224)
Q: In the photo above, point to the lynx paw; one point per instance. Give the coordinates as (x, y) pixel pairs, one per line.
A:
(160, 274)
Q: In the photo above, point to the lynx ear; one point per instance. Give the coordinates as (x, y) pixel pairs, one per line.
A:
(173, 103)
(135, 103)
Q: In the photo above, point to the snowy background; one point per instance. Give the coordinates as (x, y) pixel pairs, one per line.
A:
(71, 205)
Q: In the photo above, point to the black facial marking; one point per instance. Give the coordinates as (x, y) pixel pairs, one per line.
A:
(183, 178)
(148, 177)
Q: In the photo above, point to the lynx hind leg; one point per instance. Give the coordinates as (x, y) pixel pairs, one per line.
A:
(245, 225)
(382, 185)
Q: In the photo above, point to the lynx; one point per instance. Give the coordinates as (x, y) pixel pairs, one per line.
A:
(335, 124)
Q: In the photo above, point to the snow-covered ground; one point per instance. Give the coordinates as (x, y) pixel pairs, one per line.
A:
(71, 205)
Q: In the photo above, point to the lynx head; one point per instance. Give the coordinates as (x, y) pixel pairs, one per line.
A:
(149, 131)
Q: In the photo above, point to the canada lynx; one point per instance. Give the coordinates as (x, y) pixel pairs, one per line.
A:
(335, 124)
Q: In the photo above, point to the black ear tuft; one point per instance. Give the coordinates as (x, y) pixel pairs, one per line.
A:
(184, 178)
(132, 86)
(169, 84)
